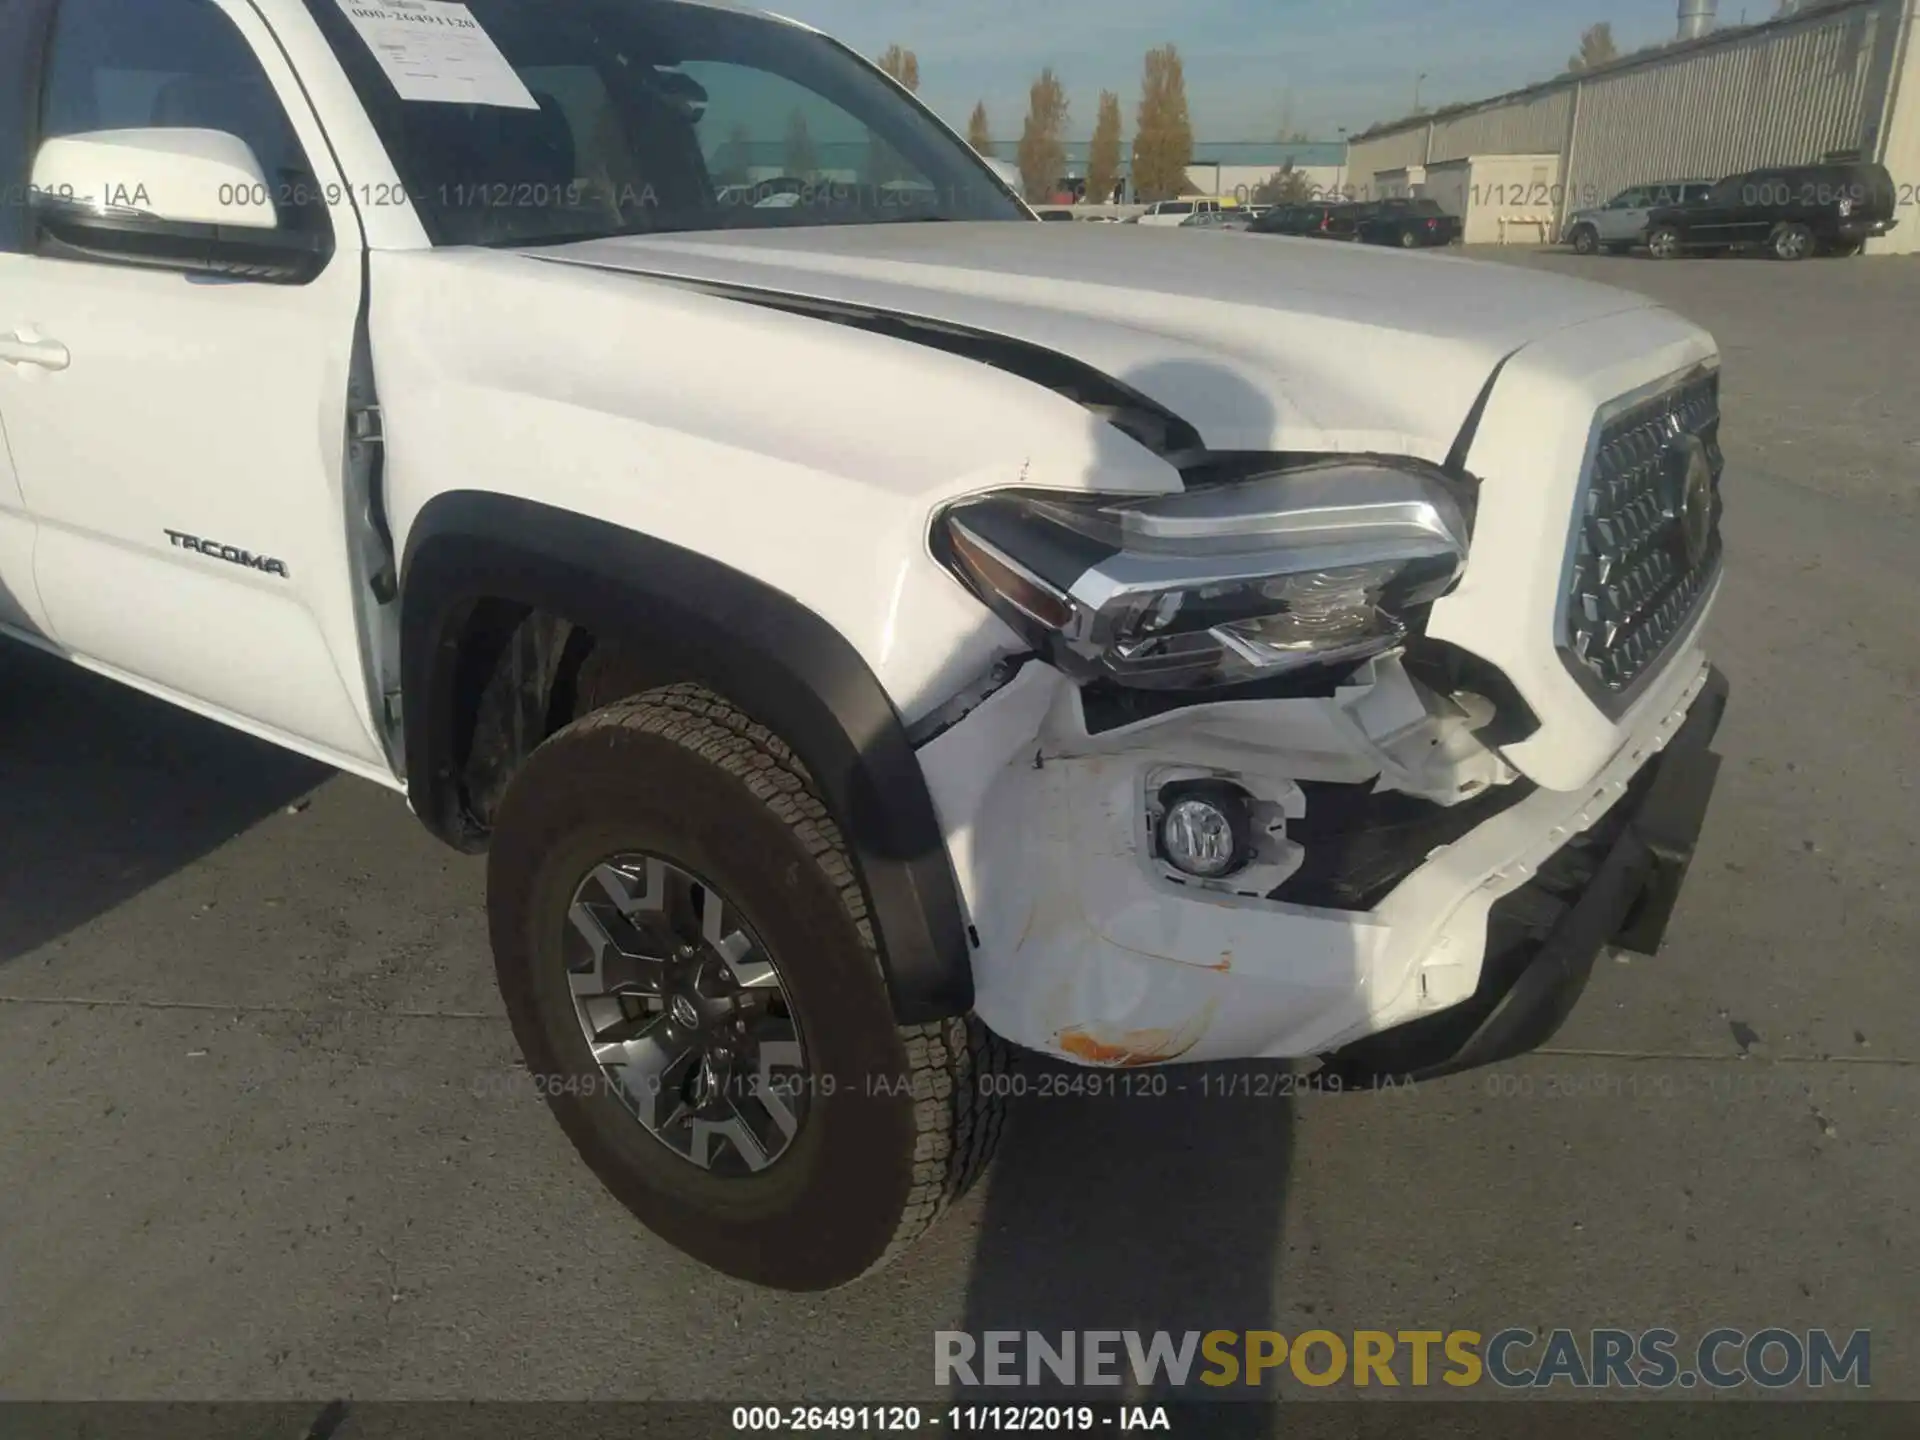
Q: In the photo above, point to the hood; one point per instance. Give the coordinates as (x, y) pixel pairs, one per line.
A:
(1258, 343)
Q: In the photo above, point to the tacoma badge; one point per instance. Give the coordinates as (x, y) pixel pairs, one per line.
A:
(229, 553)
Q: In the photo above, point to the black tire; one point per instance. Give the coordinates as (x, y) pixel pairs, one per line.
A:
(1792, 241)
(1409, 240)
(1663, 242)
(1586, 240)
(900, 1120)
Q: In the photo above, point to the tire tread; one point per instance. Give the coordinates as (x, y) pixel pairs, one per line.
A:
(958, 1111)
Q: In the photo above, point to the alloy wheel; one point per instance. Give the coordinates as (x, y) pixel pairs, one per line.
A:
(685, 1014)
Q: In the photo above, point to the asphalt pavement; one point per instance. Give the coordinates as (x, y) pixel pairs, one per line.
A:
(260, 1136)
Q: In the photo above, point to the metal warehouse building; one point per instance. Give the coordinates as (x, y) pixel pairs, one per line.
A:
(1831, 77)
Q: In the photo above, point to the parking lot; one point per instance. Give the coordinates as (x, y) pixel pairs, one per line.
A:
(261, 1139)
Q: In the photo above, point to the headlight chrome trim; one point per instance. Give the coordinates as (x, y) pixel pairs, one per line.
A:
(1285, 569)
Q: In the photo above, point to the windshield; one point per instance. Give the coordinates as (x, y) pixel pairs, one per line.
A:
(561, 120)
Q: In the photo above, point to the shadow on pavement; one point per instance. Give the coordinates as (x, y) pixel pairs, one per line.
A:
(104, 791)
(1136, 1211)
(1146, 1199)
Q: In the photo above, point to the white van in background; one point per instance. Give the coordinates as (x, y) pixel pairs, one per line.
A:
(1176, 212)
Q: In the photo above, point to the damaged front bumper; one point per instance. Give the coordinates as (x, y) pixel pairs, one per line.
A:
(1089, 948)
(1612, 887)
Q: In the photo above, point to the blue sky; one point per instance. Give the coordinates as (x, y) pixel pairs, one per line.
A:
(1252, 65)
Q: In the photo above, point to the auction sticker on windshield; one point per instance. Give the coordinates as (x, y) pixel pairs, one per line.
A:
(435, 51)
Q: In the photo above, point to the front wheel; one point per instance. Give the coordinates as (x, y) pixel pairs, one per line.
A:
(1792, 242)
(684, 949)
(1663, 243)
(1585, 240)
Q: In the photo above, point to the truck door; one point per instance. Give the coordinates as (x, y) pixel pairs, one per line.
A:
(1718, 219)
(17, 605)
(20, 37)
(180, 438)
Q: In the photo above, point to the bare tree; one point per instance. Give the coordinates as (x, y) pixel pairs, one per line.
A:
(801, 159)
(1043, 155)
(903, 65)
(1163, 134)
(979, 131)
(1103, 156)
(1596, 49)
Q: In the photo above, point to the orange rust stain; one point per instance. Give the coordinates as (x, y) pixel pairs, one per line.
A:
(1135, 1048)
(1139, 1047)
(1225, 964)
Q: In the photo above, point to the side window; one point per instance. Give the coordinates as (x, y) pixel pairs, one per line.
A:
(1730, 190)
(162, 64)
(19, 43)
(1177, 207)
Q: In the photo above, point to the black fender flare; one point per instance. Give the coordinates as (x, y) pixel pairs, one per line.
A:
(776, 659)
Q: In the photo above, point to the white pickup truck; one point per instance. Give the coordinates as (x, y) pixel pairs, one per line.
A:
(863, 625)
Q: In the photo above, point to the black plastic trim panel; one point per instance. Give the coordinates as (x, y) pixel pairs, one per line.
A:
(1361, 843)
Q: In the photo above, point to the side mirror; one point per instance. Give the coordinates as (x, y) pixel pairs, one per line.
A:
(179, 199)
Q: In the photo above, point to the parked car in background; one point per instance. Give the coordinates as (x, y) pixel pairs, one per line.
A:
(1175, 212)
(1328, 220)
(780, 192)
(1621, 223)
(1412, 224)
(1791, 212)
(1216, 220)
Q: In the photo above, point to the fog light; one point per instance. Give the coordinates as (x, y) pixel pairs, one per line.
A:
(1206, 831)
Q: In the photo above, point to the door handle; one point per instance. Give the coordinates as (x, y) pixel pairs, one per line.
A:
(23, 347)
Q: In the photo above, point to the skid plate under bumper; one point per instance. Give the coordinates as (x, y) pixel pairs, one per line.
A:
(1612, 887)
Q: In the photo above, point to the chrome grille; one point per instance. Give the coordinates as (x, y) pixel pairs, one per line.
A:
(1645, 551)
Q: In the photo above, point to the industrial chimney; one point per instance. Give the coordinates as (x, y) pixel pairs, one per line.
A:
(1696, 18)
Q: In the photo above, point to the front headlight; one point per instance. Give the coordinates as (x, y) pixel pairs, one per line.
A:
(1211, 586)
